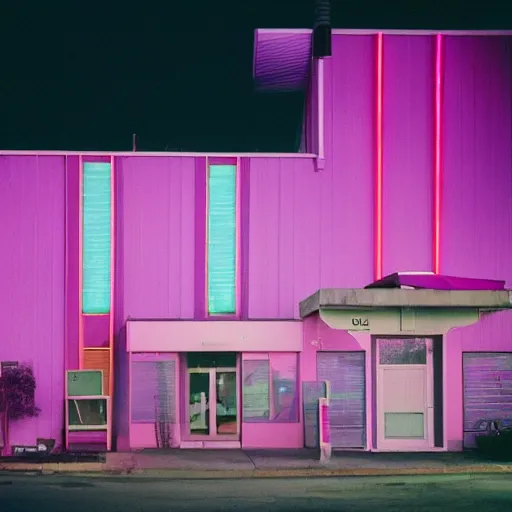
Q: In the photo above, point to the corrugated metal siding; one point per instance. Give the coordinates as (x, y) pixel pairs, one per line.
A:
(408, 144)
(96, 237)
(156, 236)
(32, 269)
(476, 209)
(281, 61)
(285, 230)
(153, 391)
(297, 245)
(221, 238)
(346, 373)
(487, 391)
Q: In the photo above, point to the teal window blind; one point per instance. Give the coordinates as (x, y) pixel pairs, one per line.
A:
(222, 239)
(96, 238)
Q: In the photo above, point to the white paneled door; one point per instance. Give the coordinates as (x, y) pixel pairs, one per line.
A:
(404, 394)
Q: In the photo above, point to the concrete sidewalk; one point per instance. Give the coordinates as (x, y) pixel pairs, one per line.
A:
(268, 464)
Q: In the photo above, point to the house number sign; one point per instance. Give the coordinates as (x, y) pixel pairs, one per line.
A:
(360, 322)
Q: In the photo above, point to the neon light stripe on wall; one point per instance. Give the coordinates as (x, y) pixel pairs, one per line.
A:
(437, 139)
(112, 285)
(222, 240)
(96, 238)
(378, 184)
(80, 263)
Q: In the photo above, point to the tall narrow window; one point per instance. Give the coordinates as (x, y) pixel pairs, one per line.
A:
(96, 241)
(221, 240)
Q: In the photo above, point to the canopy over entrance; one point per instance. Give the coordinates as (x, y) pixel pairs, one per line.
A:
(411, 291)
(408, 303)
(428, 280)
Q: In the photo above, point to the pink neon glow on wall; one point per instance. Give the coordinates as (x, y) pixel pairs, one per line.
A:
(476, 204)
(72, 270)
(112, 288)
(408, 153)
(437, 184)
(379, 149)
(238, 263)
(80, 265)
(299, 239)
(206, 208)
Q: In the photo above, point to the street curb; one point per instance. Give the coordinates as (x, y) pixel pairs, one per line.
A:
(101, 470)
(54, 467)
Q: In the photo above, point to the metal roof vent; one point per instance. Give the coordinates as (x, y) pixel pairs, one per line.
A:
(322, 44)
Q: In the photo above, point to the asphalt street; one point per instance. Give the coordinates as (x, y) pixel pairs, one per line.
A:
(143, 494)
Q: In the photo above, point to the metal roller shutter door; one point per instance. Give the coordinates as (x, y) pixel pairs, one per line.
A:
(487, 391)
(153, 394)
(346, 373)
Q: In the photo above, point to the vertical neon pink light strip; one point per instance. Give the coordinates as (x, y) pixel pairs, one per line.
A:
(80, 264)
(206, 233)
(66, 294)
(238, 240)
(379, 144)
(437, 139)
(66, 269)
(112, 288)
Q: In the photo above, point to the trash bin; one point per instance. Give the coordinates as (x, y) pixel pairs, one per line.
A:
(496, 443)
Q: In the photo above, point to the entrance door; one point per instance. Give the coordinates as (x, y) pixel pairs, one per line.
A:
(404, 394)
(213, 404)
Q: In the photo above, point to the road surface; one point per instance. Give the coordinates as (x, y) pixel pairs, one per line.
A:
(143, 494)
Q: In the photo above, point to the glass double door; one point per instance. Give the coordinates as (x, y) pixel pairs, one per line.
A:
(213, 403)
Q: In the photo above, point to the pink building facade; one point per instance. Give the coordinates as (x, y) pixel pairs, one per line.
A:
(218, 293)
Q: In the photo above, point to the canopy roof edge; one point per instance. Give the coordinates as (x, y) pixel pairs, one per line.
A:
(386, 298)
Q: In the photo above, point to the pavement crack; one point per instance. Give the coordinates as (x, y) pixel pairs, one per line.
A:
(251, 459)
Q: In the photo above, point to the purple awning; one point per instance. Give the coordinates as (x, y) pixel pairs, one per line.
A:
(436, 282)
(281, 59)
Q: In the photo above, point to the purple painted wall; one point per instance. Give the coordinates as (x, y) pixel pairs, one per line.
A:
(348, 188)
(476, 234)
(310, 229)
(157, 240)
(408, 152)
(159, 212)
(285, 230)
(302, 229)
(476, 135)
(32, 268)
(476, 229)
(72, 240)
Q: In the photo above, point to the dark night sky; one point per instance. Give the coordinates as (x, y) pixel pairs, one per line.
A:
(177, 74)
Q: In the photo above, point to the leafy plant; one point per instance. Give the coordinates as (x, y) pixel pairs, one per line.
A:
(17, 392)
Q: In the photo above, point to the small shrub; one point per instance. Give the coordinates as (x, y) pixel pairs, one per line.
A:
(17, 393)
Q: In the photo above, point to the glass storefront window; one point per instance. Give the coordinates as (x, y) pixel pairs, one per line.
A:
(269, 387)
